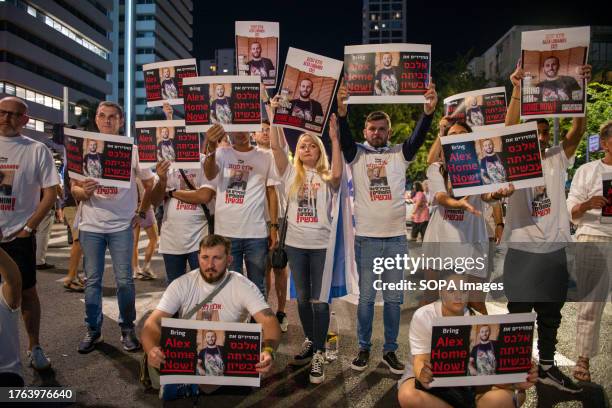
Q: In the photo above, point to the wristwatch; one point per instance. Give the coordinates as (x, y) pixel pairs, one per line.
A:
(271, 351)
(274, 226)
(27, 229)
(171, 193)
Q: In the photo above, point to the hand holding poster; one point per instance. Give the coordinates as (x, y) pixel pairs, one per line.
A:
(485, 107)
(160, 140)
(487, 160)
(606, 211)
(552, 61)
(387, 73)
(164, 81)
(307, 88)
(203, 352)
(481, 350)
(257, 50)
(230, 100)
(104, 158)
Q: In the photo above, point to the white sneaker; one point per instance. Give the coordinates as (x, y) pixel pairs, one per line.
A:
(146, 270)
(317, 372)
(38, 359)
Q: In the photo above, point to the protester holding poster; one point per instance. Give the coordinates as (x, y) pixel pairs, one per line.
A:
(379, 179)
(107, 216)
(161, 140)
(415, 386)
(28, 190)
(554, 84)
(307, 89)
(588, 196)
(164, 81)
(235, 300)
(310, 185)
(537, 231)
(257, 50)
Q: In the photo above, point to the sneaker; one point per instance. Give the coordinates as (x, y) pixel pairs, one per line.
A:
(129, 340)
(317, 373)
(305, 355)
(391, 361)
(142, 275)
(360, 363)
(282, 321)
(555, 378)
(146, 270)
(88, 344)
(38, 359)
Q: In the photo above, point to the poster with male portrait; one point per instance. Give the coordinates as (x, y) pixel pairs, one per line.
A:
(484, 107)
(481, 350)
(552, 62)
(229, 100)
(104, 158)
(307, 90)
(489, 159)
(606, 211)
(257, 50)
(164, 80)
(160, 140)
(387, 73)
(210, 352)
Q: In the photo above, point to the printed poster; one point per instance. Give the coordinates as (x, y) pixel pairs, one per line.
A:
(481, 108)
(105, 158)
(205, 352)
(489, 159)
(481, 350)
(164, 80)
(551, 59)
(387, 73)
(161, 140)
(606, 212)
(230, 100)
(307, 90)
(257, 50)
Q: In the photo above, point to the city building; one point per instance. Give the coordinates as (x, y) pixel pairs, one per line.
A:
(53, 52)
(223, 63)
(207, 67)
(147, 31)
(499, 61)
(384, 21)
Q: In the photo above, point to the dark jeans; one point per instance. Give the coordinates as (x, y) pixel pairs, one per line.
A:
(307, 269)
(538, 282)
(176, 264)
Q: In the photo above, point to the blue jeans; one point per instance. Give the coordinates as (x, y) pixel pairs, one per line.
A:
(307, 269)
(176, 264)
(254, 252)
(120, 245)
(366, 249)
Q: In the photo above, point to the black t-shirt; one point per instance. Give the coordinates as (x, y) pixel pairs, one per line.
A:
(559, 89)
(307, 110)
(261, 67)
(388, 81)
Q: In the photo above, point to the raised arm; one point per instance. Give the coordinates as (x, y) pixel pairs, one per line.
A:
(280, 158)
(417, 138)
(337, 166)
(574, 135)
(200, 196)
(348, 145)
(513, 112)
(214, 134)
(159, 190)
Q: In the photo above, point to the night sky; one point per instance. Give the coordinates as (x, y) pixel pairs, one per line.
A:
(325, 27)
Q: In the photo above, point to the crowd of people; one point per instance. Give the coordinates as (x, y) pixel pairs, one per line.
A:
(220, 223)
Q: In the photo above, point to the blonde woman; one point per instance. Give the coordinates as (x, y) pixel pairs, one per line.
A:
(310, 185)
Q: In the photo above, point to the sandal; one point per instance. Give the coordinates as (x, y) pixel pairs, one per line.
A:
(581, 370)
(74, 286)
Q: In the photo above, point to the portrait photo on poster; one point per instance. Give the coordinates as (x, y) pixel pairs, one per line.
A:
(480, 108)
(257, 50)
(167, 140)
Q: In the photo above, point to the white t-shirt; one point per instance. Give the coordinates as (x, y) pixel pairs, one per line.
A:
(111, 209)
(380, 183)
(184, 225)
(238, 299)
(466, 232)
(240, 205)
(309, 214)
(10, 361)
(26, 167)
(537, 220)
(586, 184)
(280, 188)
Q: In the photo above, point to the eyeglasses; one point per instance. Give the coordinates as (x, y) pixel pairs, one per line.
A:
(11, 114)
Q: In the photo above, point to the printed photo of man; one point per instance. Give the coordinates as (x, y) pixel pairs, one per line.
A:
(259, 65)
(168, 87)
(385, 81)
(210, 359)
(165, 148)
(473, 113)
(491, 166)
(92, 161)
(220, 108)
(238, 181)
(6, 182)
(483, 360)
(557, 87)
(378, 178)
(305, 107)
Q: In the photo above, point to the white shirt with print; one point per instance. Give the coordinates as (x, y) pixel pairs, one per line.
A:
(26, 167)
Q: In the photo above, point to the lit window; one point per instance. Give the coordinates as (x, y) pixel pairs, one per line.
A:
(48, 21)
(31, 11)
(48, 101)
(78, 110)
(9, 89)
(40, 98)
(30, 95)
(57, 104)
(20, 92)
(40, 126)
(1, 87)
(376, 27)
(31, 124)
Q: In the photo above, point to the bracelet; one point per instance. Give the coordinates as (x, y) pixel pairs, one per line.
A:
(274, 226)
(271, 351)
(514, 97)
(27, 229)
